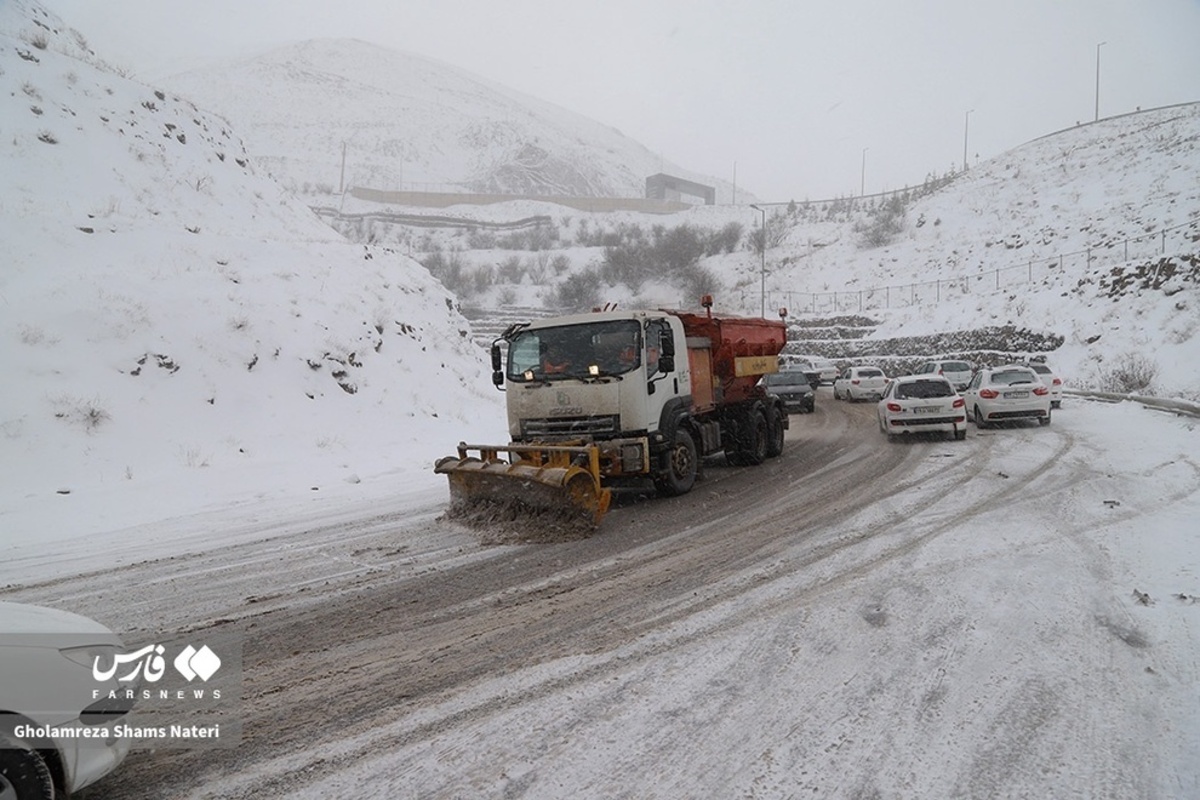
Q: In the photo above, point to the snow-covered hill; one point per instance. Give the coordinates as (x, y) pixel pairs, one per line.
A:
(176, 328)
(405, 120)
(1089, 236)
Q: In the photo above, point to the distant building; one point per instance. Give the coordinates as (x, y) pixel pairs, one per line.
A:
(668, 187)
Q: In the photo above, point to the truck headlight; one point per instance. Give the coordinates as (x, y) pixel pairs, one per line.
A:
(631, 458)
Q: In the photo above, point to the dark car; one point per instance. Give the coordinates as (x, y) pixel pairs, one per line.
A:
(793, 388)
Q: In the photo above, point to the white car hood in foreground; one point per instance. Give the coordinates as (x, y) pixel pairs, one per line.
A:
(23, 618)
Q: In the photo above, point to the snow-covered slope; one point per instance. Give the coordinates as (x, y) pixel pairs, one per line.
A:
(407, 120)
(1091, 234)
(175, 326)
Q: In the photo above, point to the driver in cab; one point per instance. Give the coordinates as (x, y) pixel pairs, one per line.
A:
(555, 361)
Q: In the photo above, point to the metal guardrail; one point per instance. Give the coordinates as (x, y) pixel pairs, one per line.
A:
(1176, 406)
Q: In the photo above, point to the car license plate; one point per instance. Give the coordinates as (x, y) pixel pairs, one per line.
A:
(1016, 395)
(926, 409)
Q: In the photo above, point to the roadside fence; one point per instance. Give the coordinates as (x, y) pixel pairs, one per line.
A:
(1176, 239)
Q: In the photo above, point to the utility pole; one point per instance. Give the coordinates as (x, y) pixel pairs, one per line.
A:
(342, 180)
(862, 182)
(763, 250)
(966, 127)
(1097, 119)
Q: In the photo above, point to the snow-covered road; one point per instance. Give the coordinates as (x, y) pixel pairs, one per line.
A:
(854, 619)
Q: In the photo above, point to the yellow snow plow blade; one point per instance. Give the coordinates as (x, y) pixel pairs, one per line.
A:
(553, 484)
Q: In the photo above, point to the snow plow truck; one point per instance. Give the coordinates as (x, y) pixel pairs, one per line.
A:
(609, 399)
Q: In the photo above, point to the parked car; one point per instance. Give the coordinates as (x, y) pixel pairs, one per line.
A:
(1051, 380)
(922, 404)
(794, 388)
(47, 693)
(825, 368)
(1005, 393)
(957, 372)
(860, 383)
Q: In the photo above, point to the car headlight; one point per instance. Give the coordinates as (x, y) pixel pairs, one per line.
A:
(86, 655)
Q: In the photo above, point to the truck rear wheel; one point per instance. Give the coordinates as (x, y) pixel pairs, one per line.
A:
(682, 465)
(774, 432)
(749, 447)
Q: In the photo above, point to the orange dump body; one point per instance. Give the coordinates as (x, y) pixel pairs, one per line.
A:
(728, 355)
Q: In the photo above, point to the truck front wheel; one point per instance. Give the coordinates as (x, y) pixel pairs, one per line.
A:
(682, 464)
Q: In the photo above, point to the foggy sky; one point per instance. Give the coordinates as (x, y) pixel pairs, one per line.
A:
(792, 99)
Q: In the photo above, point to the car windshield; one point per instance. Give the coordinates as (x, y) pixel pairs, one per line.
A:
(956, 366)
(923, 390)
(1012, 376)
(870, 373)
(612, 347)
(1041, 369)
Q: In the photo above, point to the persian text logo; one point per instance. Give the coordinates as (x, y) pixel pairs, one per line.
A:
(149, 664)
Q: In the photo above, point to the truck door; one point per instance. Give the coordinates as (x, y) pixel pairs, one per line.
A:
(662, 377)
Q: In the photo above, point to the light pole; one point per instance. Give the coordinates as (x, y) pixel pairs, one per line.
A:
(862, 181)
(1097, 119)
(763, 250)
(966, 127)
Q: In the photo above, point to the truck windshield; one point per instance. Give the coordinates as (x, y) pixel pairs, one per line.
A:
(575, 351)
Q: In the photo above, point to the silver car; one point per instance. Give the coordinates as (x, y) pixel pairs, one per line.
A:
(921, 404)
(860, 383)
(1051, 380)
(1007, 393)
(957, 372)
(50, 701)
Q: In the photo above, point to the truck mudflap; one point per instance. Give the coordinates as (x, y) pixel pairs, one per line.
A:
(541, 484)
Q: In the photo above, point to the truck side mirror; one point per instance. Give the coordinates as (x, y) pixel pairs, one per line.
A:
(497, 372)
(666, 358)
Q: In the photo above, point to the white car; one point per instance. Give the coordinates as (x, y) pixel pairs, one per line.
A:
(860, 383)
(822, 366)
(957, 372)
(48, 700)
(1051, 380)
(1006, 393)
(922, 404)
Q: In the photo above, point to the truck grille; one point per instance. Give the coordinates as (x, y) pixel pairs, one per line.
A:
(570, 428)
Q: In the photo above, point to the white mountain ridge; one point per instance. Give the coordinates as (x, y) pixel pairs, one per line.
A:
(413, 122)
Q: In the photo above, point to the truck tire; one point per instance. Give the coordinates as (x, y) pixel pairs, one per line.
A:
(682, 466)
(756, 445)
(750, 445)
(774, 432)
(24, 774)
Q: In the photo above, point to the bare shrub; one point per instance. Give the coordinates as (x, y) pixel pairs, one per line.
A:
(482, 278)
(89, 414)
(538, 267)
(478, 239)
(512, 270)
(1131, 373)
(31, 334)
(194, 457)
(883, 223)
(697, 281)
(449, 269)
(579, 292)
